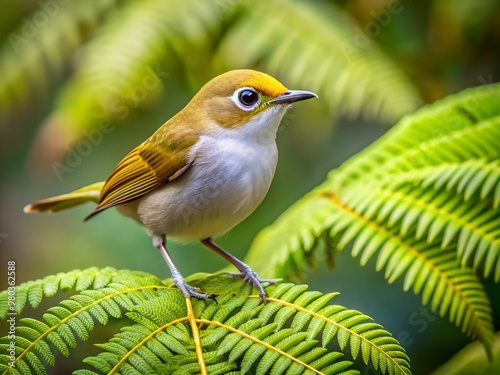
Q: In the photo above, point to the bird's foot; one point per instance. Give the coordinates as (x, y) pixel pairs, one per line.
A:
(186, 289)
(250, 277)
(191, 291)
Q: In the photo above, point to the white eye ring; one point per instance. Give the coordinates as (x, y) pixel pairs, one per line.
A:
(246, 98)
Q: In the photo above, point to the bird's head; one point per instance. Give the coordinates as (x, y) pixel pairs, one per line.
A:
(244, 100)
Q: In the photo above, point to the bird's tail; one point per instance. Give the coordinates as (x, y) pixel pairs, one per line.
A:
(90, 193)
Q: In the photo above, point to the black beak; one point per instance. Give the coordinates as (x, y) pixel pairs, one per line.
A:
(292, 96)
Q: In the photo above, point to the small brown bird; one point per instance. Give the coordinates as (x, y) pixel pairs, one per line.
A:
(202, 172)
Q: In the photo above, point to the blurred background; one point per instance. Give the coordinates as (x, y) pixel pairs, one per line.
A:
(83, 82)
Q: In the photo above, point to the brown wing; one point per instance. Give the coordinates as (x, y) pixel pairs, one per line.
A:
(144, 169)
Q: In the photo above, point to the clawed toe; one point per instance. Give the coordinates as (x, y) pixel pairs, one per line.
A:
(250, 277)
(247, 274)
(192, 292)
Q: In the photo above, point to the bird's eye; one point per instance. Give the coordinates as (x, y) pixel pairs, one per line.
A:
(248, 97)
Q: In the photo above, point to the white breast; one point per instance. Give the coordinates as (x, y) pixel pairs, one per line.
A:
(230, 176)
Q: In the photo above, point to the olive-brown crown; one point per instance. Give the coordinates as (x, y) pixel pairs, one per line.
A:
(225, 84)
(213, 101)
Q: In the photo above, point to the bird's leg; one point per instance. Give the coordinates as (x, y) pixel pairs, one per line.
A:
(248, 274)
(188, 290)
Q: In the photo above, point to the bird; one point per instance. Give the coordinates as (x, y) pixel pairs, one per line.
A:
(201, 173)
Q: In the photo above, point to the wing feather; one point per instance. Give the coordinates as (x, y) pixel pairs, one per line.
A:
(144, 169)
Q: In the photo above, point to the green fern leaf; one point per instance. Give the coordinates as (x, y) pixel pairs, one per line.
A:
(423, 199)
(34, 291)
(282, 336)
(74, 318)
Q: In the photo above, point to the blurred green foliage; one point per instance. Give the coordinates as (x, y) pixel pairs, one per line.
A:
(82, 82)
(470, 361)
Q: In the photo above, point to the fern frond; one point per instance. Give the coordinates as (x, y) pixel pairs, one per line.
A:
(316, 45)
(243, 334)
(471, 224)
(424, 197)
(443, 132)
(297, 331)
(75, 317)
(33, 292)
(475, 176)
(40, 48)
